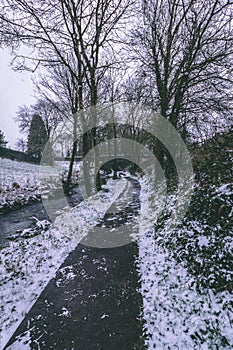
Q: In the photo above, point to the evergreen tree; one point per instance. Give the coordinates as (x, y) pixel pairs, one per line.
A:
(3, 141)
(37, 137)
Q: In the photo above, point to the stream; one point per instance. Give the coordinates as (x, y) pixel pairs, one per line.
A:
(22, 218)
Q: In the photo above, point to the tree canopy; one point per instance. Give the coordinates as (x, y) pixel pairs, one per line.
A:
(184, 50)
(171, 55)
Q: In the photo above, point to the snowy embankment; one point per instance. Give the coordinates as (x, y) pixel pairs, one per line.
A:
(20, 182)
(27, 265)
(178, 315)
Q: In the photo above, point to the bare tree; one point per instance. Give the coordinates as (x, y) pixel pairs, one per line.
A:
(78, 34)
(21, 145)
(185, 54)
(49, 112)
(59, 85)
(66, 31)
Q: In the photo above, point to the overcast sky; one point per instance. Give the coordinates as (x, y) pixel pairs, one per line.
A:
(16, 89)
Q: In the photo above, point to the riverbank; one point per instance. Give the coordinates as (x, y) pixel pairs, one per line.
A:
(23, 184)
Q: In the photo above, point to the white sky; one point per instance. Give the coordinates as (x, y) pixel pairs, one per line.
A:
(16, 89)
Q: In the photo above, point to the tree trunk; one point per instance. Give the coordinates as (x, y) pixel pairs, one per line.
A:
(94, 99)
(74, 150)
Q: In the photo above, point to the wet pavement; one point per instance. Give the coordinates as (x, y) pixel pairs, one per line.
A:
(93, 302)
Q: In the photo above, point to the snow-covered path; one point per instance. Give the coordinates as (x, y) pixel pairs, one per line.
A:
(27, 265)
(93, 302)
(177, 314)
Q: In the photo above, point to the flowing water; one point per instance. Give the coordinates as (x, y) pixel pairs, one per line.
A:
(23, 218)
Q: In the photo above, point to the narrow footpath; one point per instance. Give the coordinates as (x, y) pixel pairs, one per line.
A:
(93, 302)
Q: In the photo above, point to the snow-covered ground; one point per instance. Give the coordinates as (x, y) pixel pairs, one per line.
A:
(22, 183)
(27, 265)
(18, 182)
(177, 316)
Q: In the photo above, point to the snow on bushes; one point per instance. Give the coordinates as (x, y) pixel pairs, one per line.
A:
(180, 310)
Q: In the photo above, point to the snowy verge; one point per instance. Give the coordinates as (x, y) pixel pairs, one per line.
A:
(76, 222)
(24, 183)
(27, 265)
(177, 315)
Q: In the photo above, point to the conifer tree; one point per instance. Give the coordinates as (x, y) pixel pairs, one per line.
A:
(3, 141)
(37, 137)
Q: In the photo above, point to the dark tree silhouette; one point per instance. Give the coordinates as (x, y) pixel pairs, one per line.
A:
(37, 137)
(185, 54)
(3, 141)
